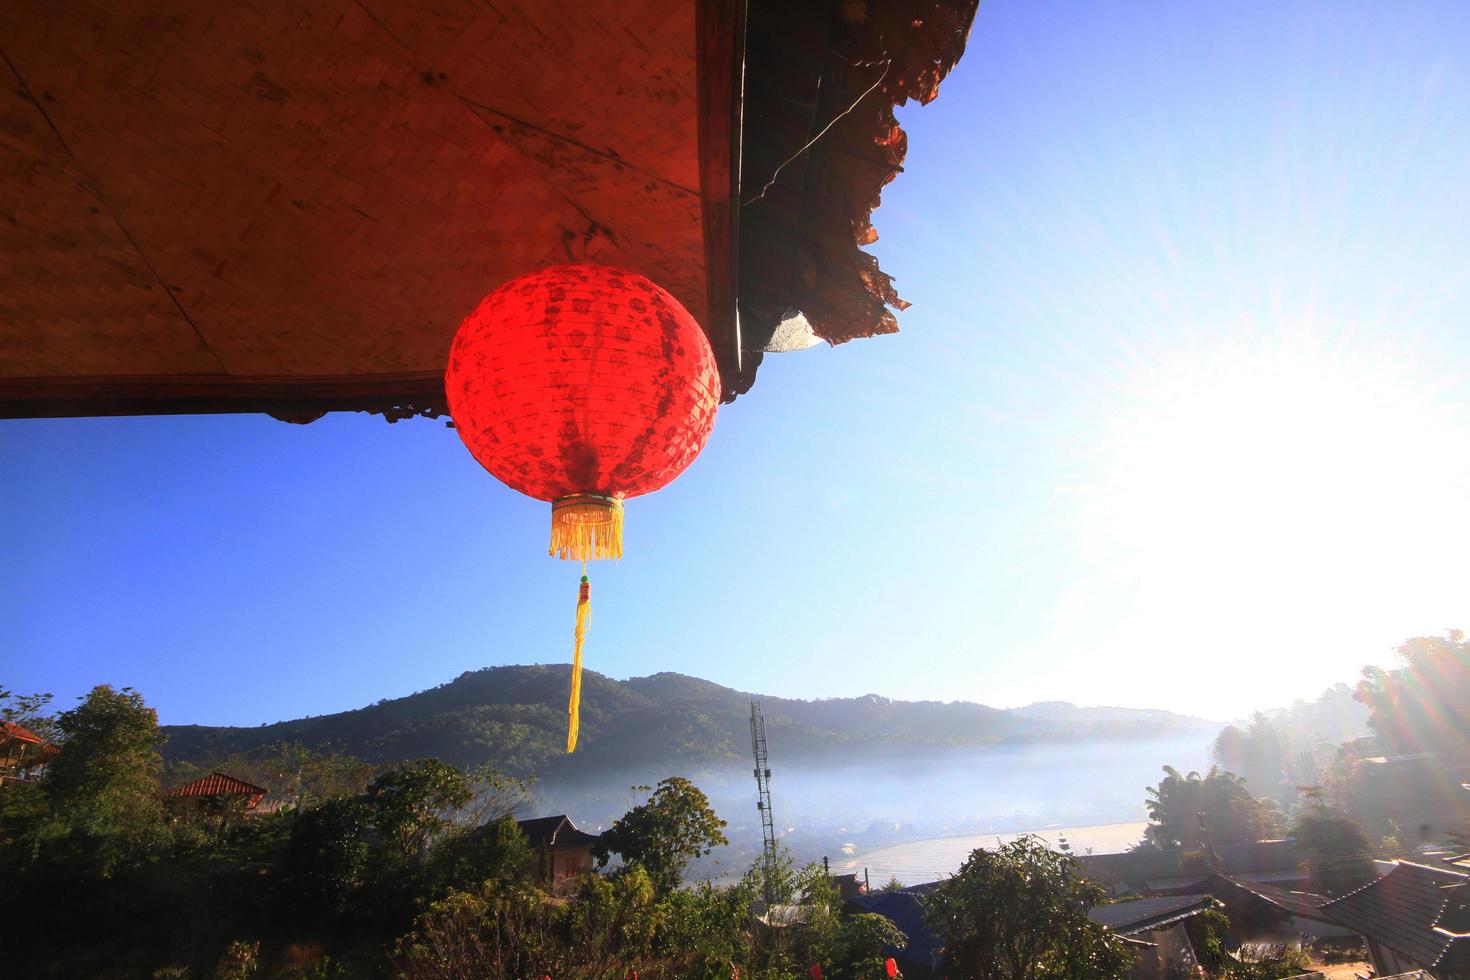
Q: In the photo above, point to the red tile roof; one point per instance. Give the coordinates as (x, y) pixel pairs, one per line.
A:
(218, 784)
(10, 731)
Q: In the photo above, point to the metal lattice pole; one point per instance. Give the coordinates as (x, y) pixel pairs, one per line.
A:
(763, 804)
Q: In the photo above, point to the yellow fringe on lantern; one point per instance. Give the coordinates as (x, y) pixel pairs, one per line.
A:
(586, 527)
(574, 706)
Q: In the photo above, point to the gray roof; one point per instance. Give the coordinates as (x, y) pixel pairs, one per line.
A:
(1147, 914)
(1415, 910)
(557, 831)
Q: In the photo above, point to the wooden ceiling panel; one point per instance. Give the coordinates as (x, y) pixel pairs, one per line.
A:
(324, 189)
(64, 262)
(546, 62)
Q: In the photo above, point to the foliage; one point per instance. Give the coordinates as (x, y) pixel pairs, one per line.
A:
(101, 791)
(119, 885)
(468, 856)
(327, 858)
(296, 775)
(620, 924)
(515, 718)
(1194, 812)
(411, 804)
(1262, 756)
(1207, 933)
(30, 711)
(663, 834)
(1424, 705)
(1019, 912)
(403, 874)
(1338, 853)
(1269, 961)
(239, 962)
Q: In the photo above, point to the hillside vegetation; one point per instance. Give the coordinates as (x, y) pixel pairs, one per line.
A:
(515, 719)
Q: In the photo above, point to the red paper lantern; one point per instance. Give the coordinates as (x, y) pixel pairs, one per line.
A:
(582, 385)
(582, 380)
(890, 967)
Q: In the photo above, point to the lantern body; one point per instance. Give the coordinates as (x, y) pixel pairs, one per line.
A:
(582, 379)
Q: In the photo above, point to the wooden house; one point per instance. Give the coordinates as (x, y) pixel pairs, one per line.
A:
(219, 792)
(563, 853)
(23, 753)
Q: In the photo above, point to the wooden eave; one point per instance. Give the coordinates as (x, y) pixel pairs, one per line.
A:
(288, 208)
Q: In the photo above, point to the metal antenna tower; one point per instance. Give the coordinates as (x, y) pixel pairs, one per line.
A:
(763, 804)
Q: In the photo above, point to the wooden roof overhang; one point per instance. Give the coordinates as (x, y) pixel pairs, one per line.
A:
(288, 207)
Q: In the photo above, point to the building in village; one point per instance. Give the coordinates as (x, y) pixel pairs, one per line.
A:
(923, 952)
(562, 852)
(219, 792)
(1155, 928)
(1149, 871)
(1414, 918)
(1261, 912)
(1424, 794)
(23, 753)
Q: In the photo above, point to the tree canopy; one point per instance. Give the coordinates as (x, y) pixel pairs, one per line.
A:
(1338, 852)
(1019, 912)
(106, 778)
(675, 825)
(1423, 705)
(1193, 812)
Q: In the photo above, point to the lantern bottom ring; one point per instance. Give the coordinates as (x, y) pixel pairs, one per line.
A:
(586, 527)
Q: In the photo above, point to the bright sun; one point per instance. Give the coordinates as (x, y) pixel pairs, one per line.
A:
(1281, 493)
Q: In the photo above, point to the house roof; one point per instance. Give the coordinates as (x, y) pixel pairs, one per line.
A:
(1415, 910)
(1147, 914)
(904, 907)
(217, 784)
(11, 732)
(271, 208)
(1163, 864)
(1306, 905)
(555, 831)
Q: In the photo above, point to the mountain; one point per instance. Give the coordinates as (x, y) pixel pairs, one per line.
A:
(1065, 712)
(515, 719)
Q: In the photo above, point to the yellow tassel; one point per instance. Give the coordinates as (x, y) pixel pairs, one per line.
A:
(586, 527)
(574, 707)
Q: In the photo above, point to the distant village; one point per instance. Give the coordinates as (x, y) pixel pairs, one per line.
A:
(1363, 873)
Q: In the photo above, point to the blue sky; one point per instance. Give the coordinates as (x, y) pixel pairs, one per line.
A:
(1177, 420)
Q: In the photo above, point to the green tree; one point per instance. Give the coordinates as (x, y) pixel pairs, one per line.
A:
(1423, 705)
(411, 804)
(1207, 932)
(296, 775)
(663, 834)
(1019, 912)
(1191, 811)
(30, 711)
(468, 857)
(1261, 755)
(105, 780)
(326, 859)
(1338, 852)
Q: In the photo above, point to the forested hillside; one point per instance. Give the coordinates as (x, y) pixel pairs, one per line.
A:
(515, 719)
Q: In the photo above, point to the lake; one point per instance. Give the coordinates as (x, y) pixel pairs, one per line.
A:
(914, 862)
